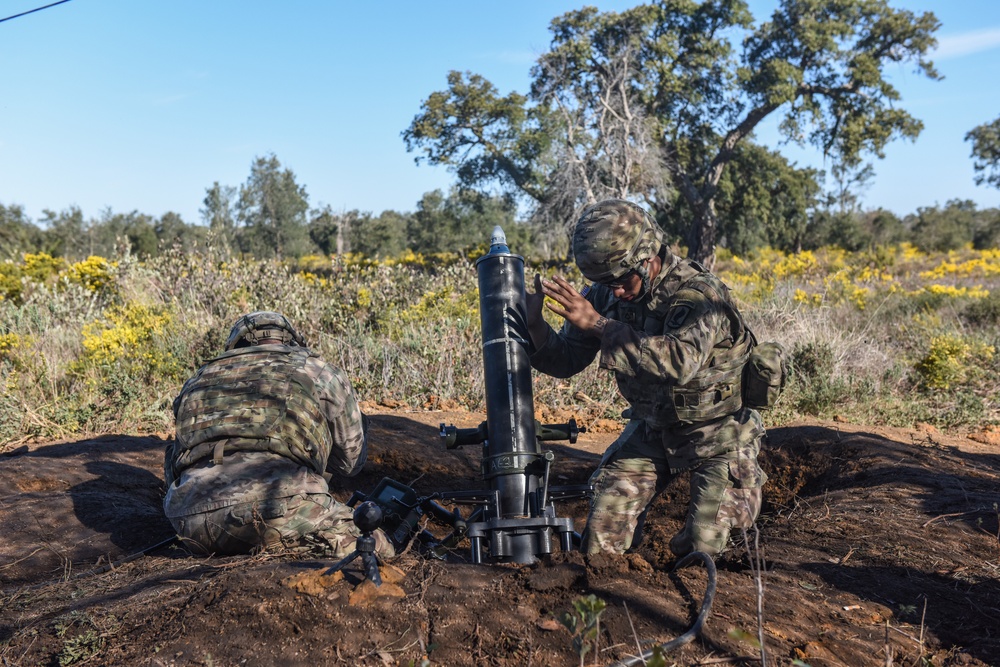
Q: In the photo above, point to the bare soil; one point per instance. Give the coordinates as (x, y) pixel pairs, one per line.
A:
(881, 548)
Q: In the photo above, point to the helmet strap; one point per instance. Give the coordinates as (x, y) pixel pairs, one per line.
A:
(643, 271)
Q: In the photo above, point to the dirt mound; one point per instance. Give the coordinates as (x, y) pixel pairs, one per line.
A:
(881, 546)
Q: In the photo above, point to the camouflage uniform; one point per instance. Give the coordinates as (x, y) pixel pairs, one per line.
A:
(260, 430)
(677, 354)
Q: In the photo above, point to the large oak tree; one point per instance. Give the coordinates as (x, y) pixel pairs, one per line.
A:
(653, 103)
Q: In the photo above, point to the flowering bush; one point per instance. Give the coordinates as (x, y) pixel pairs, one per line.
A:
(38, 268)
(107, 342)
(953, 360)
(126, 333)
(94, 273)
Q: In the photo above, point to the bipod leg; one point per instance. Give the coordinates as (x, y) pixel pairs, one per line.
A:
(370, 562)
(365, 548)
(342, 563)
(367, 517)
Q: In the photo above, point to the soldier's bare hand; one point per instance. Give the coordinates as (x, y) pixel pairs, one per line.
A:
(571, 305)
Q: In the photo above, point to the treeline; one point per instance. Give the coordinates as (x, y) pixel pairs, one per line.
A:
(266, 217)
(957, 224)
(269, 217)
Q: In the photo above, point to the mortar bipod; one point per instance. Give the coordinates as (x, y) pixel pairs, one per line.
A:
(520, 535)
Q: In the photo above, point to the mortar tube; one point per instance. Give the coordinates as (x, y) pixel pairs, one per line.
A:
(512, 446)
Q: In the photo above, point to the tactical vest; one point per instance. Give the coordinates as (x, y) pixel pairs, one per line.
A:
(715, 390)
(251, 399)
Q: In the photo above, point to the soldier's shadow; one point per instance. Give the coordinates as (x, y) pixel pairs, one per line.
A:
(123, 501)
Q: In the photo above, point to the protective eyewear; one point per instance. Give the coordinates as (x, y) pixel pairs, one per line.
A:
(619, 282)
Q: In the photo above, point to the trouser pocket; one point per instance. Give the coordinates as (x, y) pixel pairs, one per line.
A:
(742, 499)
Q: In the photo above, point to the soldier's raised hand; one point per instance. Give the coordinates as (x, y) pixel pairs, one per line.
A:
(571, 305)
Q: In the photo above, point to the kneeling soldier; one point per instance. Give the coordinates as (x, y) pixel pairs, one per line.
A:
(260, 430)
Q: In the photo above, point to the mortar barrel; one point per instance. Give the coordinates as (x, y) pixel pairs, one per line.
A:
(512, 451)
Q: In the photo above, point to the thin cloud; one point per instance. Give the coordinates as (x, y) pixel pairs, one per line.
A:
(967, 43)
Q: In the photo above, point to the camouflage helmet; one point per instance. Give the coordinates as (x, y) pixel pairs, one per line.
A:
(614, 237)
(262, 324)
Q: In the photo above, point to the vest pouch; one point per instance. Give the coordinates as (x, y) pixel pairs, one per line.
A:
(764, 376)
(692, 406)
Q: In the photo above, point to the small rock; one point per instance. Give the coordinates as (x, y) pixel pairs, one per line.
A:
(548, 624)
(367, 592)
(313, 582)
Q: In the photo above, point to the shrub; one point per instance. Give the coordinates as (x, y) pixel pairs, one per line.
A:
(952, 360)
(94, 273)
(39, 268)
(984, 312)
(107, 342)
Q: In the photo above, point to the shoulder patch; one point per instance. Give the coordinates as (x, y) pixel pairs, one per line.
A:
(677, 316)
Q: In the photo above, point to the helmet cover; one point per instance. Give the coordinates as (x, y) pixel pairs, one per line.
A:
(614, 237)
(260, 325)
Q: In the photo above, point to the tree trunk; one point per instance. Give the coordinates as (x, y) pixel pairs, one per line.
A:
(703, 234)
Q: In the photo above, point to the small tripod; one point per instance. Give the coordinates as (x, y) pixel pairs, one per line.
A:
(367, 517)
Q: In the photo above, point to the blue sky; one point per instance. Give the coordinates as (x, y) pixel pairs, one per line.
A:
(143, 105)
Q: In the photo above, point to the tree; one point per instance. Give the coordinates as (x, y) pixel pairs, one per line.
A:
(841, 222)
(484, 138)
(380, 236)
(66, 234)
(936, 229)
(986, 233)
(354, 231)
(272, 208)
(17, 233)
(218, 212)
(763, 200)
(463, 219)
(136, 229)
(325, 230)
(986, 152)
(607, 144)
(695, 96)
(172, 230)
(886, 228)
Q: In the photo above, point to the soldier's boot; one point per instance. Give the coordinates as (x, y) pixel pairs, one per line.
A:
(680, 544)
(709, 539)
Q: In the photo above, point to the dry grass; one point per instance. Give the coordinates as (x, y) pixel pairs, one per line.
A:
(85, 360)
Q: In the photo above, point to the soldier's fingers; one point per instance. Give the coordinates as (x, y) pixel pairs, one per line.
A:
(551, 285)
(551, 289)
(563, 288)
(562, 282)
(558, 310)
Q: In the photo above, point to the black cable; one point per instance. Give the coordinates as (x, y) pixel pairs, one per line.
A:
(32, 11)
(692, 632)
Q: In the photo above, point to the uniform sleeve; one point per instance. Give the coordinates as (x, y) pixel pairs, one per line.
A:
(692, 327)
(347, 424)
(569, 351)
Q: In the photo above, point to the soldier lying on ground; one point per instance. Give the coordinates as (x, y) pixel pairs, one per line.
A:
(676, 343)
(260, 430)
